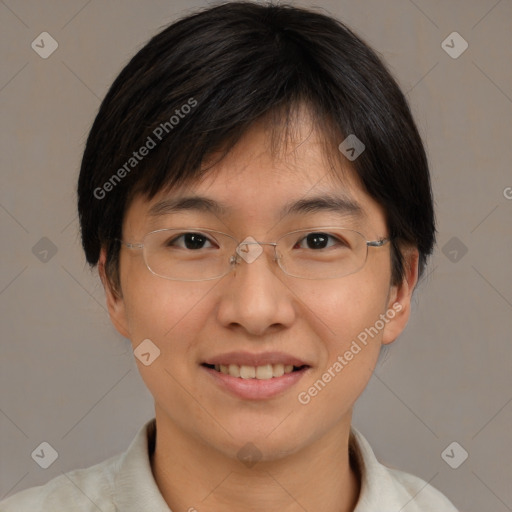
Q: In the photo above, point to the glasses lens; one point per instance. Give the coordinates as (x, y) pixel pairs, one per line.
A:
(188, 254)
(195, 254)
(322, 253)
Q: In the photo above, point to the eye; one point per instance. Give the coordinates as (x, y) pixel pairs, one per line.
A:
(319, 241)
(192, 241)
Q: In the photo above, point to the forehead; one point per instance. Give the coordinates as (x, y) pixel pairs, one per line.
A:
(253, 184)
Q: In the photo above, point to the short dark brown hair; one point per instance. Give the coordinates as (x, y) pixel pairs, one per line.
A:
(205, 79)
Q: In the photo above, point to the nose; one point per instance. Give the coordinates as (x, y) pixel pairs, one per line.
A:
(253, 296)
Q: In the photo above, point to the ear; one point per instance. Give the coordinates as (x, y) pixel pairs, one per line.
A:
(399, 301)
(115, 302)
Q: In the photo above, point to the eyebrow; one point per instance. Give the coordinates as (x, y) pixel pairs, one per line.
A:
(325, 202)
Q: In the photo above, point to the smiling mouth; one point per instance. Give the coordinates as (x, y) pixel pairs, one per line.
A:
(264, 372)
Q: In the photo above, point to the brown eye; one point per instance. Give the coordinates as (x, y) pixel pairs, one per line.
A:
(192, 241)
(319, 241)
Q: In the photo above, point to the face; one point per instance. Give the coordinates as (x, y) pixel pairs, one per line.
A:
(258, 314)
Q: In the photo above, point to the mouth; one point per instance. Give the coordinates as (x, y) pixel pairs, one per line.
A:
(262, 372)
(250, 376)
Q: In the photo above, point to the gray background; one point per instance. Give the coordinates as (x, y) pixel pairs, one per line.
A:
(69, 379)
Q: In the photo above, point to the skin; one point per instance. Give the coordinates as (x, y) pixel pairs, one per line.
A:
(258, 308)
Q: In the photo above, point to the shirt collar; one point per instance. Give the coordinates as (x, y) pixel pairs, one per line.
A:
(379, 490)
(135, 487)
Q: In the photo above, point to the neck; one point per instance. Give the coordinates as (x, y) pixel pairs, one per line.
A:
(193, 475)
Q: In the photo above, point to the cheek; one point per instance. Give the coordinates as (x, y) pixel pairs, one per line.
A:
(350, 352)
(155, 307)
(343, 309)
(345, 317)
(172, 315)
(169, 311)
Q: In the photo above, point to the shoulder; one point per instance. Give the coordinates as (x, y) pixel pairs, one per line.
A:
(122, 482)
(387, 489)
(420, 495)
(84, 490)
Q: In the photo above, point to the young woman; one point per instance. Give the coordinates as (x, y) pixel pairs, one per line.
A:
(257, 199)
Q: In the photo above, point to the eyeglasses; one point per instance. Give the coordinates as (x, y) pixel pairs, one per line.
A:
(197, 254)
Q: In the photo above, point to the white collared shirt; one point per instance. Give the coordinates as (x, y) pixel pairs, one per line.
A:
(125, 483)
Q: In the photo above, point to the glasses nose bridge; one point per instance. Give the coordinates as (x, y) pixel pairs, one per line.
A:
(250, 250)
(257, 242)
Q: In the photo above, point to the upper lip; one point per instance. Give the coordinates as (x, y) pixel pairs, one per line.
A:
(249, 359)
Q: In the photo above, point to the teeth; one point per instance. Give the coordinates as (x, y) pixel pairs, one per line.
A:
(278, 370)
(233, 370)
(264, 372)
(247, 372)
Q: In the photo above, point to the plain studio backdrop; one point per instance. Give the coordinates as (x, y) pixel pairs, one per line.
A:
(440, 402)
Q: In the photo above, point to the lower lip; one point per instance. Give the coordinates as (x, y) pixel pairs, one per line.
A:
(256, 389)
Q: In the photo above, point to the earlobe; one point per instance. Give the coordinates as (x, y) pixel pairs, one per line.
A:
(114, 299)
(400, 296)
